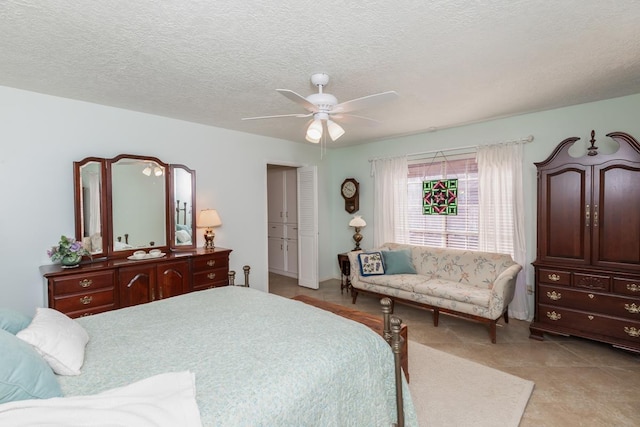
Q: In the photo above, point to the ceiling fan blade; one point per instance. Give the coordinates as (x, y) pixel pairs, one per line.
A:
(365, 102)
(353, 118)
(278, 116)
(298, 99)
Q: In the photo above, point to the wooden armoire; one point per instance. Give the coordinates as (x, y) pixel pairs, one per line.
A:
(587, 269)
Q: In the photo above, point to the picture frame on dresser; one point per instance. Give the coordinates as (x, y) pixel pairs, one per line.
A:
(587, 268)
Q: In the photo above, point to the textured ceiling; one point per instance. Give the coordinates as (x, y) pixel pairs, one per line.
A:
(451, 61)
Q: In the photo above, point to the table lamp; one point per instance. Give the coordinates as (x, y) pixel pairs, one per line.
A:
(209, 218)
(357, 222)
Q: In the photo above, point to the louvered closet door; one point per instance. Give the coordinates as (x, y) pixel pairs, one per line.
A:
(616, 216)
(308, 227)
(565, 195)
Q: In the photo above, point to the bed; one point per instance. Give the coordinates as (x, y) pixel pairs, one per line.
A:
(258, 359)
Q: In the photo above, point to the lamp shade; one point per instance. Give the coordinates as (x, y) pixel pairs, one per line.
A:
(209, 218)
(357, 221)
(314, 131)
(335, 130)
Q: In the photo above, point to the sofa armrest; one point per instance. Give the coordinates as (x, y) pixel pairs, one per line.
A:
(354, 267)
(504, 288)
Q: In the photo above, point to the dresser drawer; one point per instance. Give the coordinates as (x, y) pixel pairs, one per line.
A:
(210, 278)
(626, 286)
(593, 302)
(554, 277)
(590, 322)
(82, 282)
(210, 262)
(84, 301)
(592, 281)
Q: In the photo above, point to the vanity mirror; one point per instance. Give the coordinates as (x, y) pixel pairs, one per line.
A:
(133, 202)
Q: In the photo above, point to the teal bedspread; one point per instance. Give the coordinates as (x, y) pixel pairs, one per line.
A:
(259, 359)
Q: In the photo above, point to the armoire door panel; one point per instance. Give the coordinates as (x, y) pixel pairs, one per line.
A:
(617, 231)
(565, 216)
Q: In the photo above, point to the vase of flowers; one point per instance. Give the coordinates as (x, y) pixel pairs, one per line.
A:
(68, 252)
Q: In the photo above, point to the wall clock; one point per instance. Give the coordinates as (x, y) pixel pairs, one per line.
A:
(350, 192)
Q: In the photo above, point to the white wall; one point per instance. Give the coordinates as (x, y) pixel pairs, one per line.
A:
(41, 136)
(548, 127)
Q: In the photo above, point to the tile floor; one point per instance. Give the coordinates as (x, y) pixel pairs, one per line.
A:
(577, 382)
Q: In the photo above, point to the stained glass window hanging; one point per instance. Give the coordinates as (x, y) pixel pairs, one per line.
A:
(440, 197)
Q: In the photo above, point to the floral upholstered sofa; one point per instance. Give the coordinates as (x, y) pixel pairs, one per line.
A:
(471, 284)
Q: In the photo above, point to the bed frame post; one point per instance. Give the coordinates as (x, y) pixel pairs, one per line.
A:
(386, 324)
(396, 345)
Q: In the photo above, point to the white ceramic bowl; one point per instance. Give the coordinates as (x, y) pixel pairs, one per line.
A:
(155, 252)
(139, 254)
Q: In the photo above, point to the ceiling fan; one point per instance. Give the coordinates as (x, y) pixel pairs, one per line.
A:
(325, 110)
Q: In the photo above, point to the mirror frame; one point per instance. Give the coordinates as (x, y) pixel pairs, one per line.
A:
(172, 199)
(106, 197)
(78, 199)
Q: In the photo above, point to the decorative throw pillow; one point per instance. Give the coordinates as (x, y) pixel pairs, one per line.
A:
(12, 321)
(371, 263)
(23, 373)
(59, 339)
(398, 262)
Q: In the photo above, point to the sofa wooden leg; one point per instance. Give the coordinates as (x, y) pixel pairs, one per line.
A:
(354, 295)
(436, 316)
(492, 331)
(506, 315)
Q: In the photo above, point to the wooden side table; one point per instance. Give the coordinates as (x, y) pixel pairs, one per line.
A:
(345, 269)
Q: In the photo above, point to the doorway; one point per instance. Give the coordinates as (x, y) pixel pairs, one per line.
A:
(292, 211)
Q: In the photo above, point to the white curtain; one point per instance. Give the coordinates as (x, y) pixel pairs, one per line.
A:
(389, 200)
(502, 212)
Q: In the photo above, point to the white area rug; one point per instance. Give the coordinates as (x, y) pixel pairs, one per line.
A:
(450, 391)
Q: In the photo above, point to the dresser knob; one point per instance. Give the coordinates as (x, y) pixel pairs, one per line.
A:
(86, 300)
(554, 295)
(554, 316)
(591, 296)
(85, 283)
(632, 308)
(211, 262)
(590, 317)
(211, 276)
(553, 277)
(632, 332)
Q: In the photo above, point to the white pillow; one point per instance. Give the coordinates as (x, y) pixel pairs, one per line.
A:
(59, 339)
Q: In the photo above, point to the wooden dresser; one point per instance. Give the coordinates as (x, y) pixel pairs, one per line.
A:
(107, 285)
(587, 270)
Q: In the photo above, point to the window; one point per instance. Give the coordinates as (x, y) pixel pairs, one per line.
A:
(450, 231)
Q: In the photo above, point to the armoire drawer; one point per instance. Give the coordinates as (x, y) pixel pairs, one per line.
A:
(626, 286)
(594, 302)
(590, 322)
(595, 282)
(83, 282)
(554, 277)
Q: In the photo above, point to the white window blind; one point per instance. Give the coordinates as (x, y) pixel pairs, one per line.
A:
(450, 231)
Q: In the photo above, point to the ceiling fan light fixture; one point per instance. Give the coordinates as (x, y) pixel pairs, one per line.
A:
(314, 131)
(335, 130)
